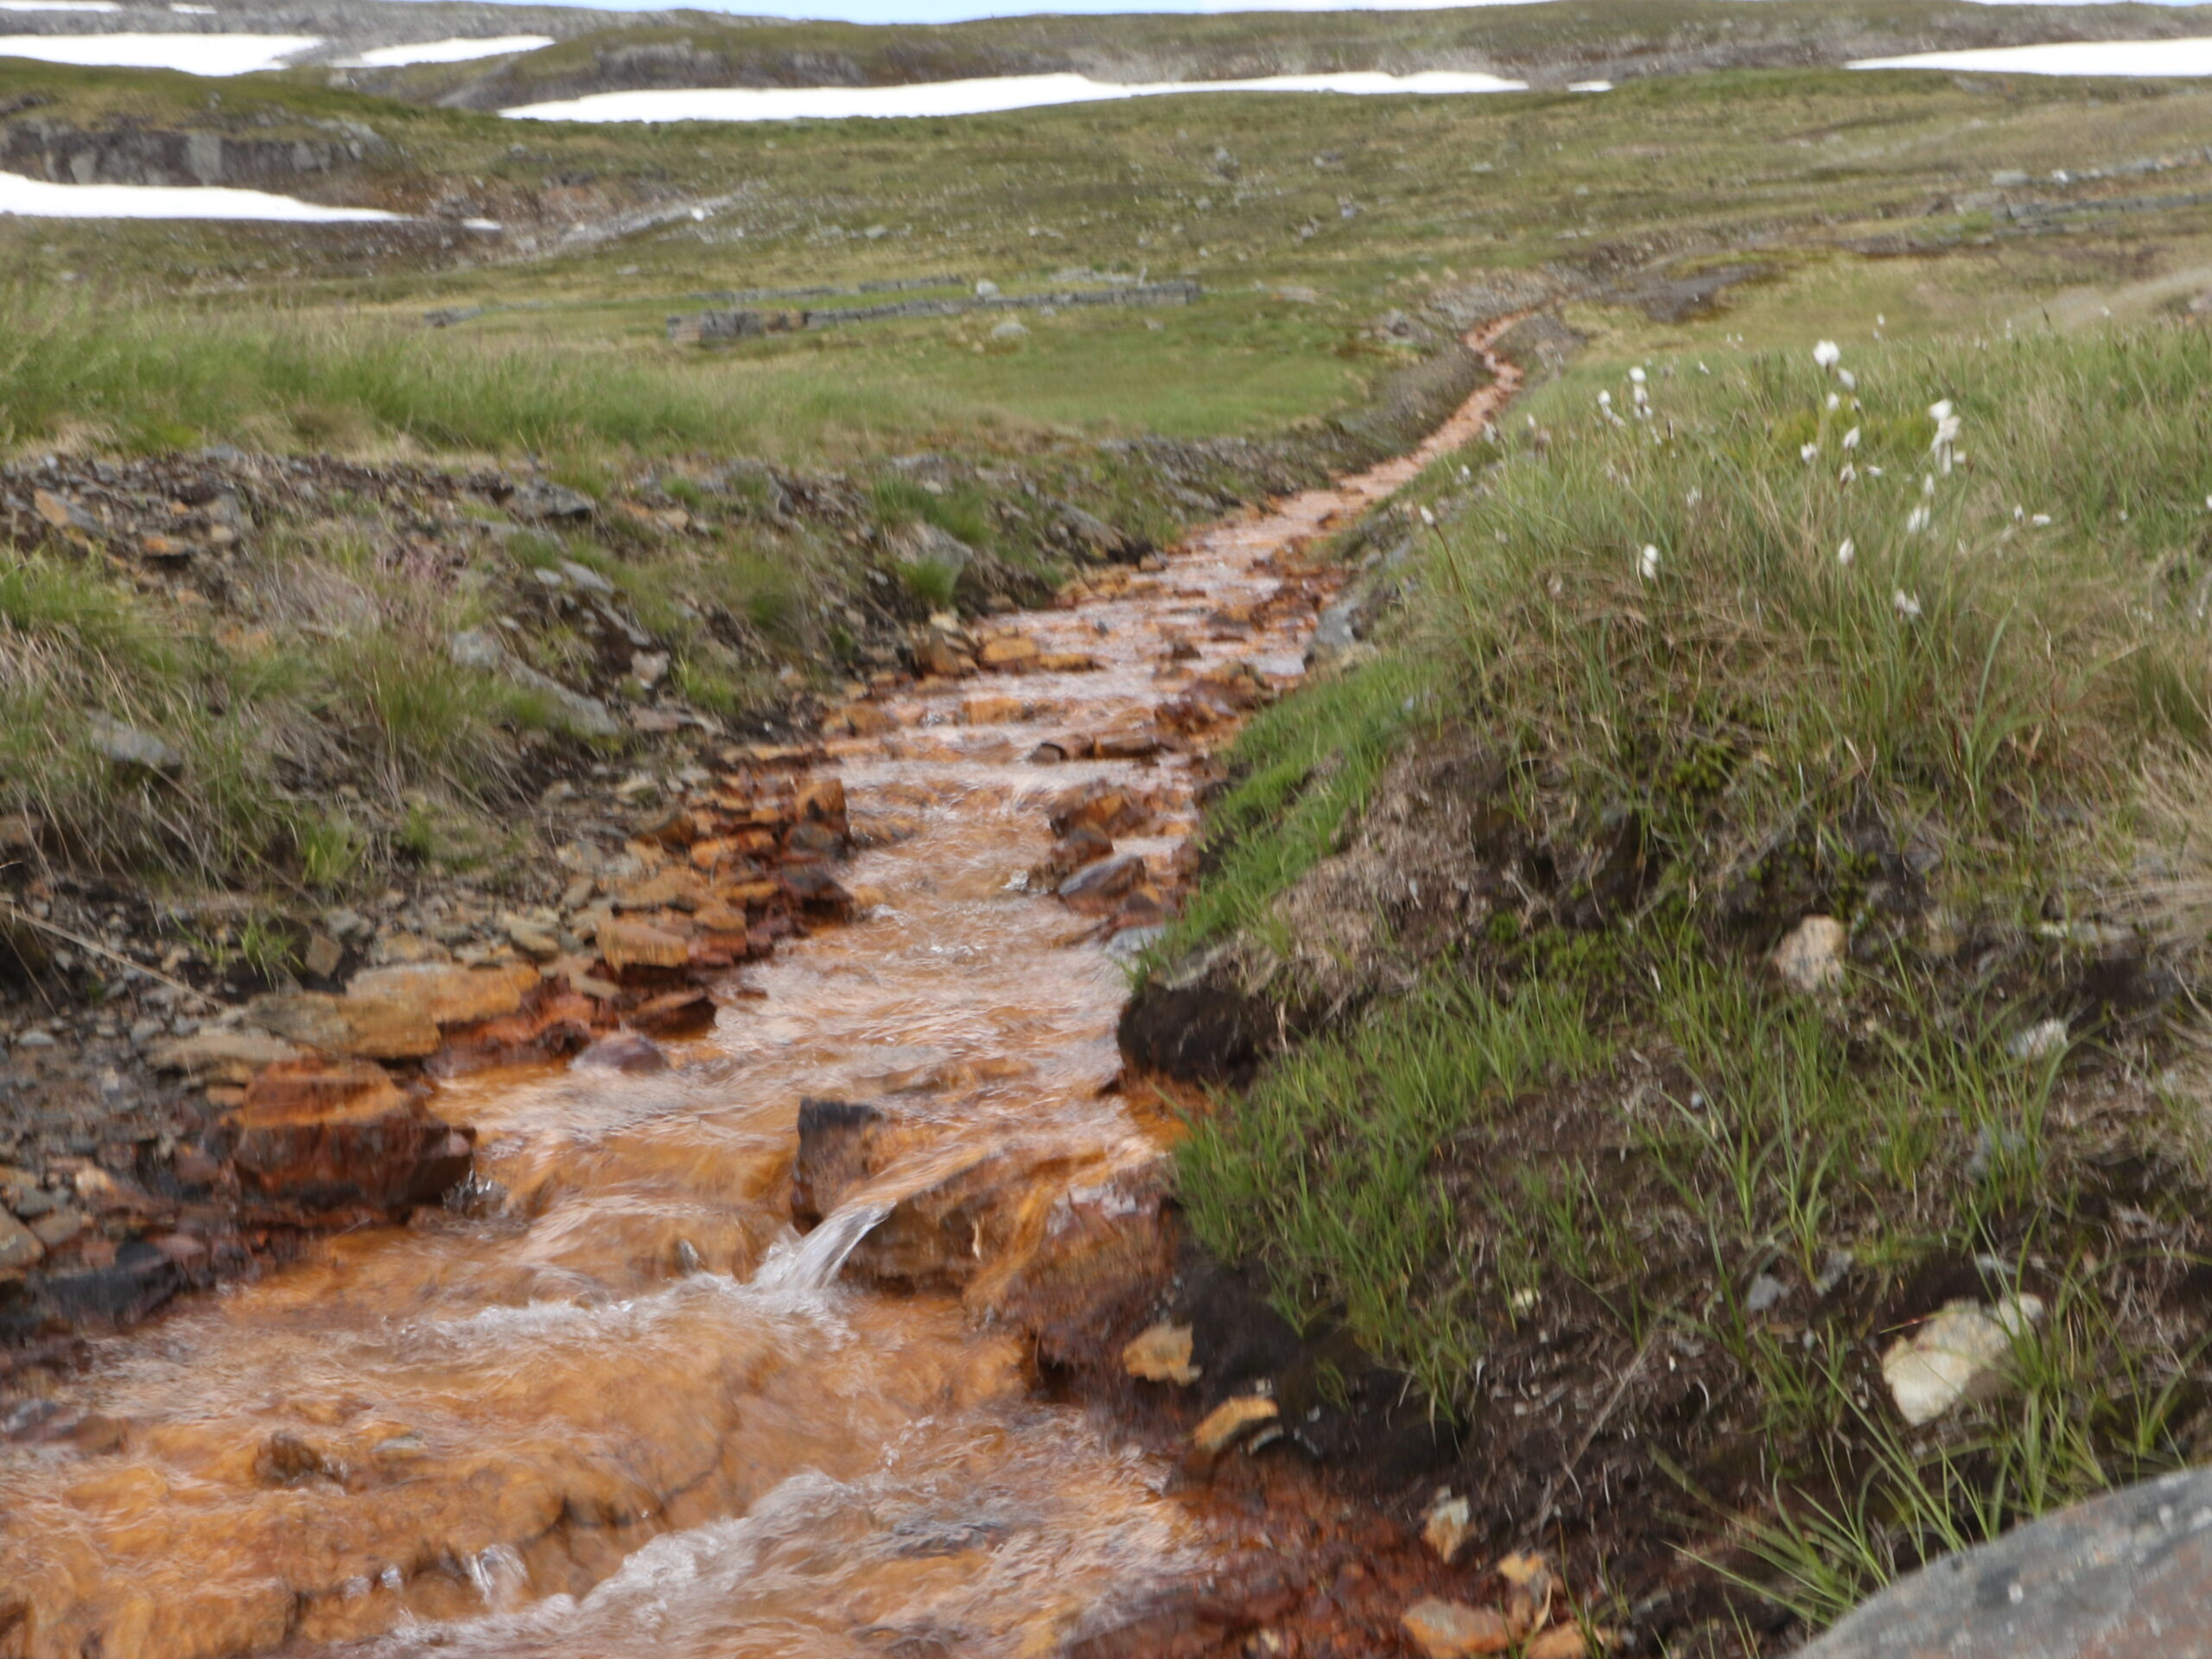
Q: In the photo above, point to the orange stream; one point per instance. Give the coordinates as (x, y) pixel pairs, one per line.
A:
(539, 1433)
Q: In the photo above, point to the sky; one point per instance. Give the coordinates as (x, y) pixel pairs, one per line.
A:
(946, 12)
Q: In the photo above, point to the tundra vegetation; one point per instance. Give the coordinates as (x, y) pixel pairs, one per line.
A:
(1715, 635)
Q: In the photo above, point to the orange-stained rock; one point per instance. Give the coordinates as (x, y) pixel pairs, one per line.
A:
(820, 798)
(674, 1013)
(1451, 1629)
(369, 1029)
(449, 995)
(626, 944)
(675, 887)
(327, 1137)
(1101, 889)
(1232, 1419)
(1010, 653)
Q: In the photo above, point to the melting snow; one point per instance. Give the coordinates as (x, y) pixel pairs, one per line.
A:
(196, 54)
(455, 50)
(944, 98)
(2190, 57)
(37, 199)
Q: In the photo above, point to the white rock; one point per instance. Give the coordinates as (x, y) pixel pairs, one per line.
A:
(1811, 957)
(1957, 1354)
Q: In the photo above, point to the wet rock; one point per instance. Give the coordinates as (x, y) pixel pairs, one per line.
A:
(1230, 1421)
(1160, 1353)
(1099, 889)
(838, 1146)
(675, 1013)
(1958, 1354)
(1197, 1027)
(1009, 653)
(1451, 1629)
(626, 1051)
(1810, 958)
(2129, 1573)
(326, 1137)
(126, 746)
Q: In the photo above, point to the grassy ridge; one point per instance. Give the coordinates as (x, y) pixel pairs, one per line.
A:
(1962, 710)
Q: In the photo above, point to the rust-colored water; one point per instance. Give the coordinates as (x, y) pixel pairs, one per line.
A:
(580, 1426)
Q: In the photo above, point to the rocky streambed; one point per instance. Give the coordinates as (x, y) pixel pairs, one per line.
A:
(603, 1394)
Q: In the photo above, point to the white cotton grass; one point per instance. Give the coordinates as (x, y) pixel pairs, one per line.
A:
(1848, 551)
(1851, 439)
(1827, 353)
(1905, 605)
(1808, 452)
(1835, 402)
(1946, 434)
(1917, 520)
(1647, 563)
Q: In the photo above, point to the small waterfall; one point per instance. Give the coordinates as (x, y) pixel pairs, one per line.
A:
(815, 1264)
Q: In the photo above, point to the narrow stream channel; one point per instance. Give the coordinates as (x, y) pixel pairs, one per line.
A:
(619, 1415)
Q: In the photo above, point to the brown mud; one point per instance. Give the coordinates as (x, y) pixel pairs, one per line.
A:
(606, 1399)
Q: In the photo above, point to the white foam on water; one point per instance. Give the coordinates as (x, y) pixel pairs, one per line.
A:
(981, 97)
(38, 199)
(814, 1263)
(2128, 57)
(196, 54)
(457, 49)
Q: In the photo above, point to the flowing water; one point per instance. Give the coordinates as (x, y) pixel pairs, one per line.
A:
(628, 1410)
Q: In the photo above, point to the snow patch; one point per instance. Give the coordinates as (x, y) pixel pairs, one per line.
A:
(196, 54)
(37, 199)
(981, 97)
(455, 50)
(2131, 57)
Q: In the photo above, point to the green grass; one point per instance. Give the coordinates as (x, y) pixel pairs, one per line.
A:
(1977, 724)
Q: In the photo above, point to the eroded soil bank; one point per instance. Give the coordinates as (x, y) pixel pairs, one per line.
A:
(606, 1398)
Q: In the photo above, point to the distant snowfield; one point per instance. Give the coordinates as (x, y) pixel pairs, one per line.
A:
(36, 198)
(456, 50)
(2139, 58)
(944, 98)
(196, 54)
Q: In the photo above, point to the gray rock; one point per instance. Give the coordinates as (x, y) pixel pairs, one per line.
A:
(585, 577)
(474, 648)
(126, 746)
(540, 502)
(921, 543)
(2129, 1573)
(1009, 329)
(1766, 1292)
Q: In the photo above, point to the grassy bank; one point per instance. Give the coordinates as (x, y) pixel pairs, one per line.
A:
(1744, 643)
